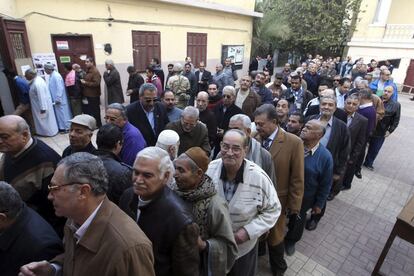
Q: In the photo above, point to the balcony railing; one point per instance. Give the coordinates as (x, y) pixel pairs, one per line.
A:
(399, 32)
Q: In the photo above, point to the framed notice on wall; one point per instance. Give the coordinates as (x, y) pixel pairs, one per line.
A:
(235, 53)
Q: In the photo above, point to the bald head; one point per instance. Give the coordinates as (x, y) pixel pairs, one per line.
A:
(312, 132)
(202, 100)
(14, 134)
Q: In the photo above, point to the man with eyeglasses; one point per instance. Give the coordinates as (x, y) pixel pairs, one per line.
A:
(28, 165)
(133, 141)
(192, 132)
(80, 134)
(336, 81)
(223, 112)
(254, 206)
(378, 86)
(100, 239)
(147, 114)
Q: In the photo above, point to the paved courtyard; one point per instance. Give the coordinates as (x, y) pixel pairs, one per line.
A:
(357, 222)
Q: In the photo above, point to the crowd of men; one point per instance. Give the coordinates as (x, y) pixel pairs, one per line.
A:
(194, 176)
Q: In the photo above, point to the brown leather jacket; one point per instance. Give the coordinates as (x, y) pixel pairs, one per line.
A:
(92, 85)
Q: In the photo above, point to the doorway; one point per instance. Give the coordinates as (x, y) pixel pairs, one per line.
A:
(72, 49)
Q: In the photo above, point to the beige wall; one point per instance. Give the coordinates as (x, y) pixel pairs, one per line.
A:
(401, 12)
(8, 7)
(172, 21)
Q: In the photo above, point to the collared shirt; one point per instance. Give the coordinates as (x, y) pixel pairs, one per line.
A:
(141, 203)
(310, 152)
(325, 139)
(340, 99)
(230, 186)
(150, 117)
(269, 140)
(28, 144)
(362, 106)
(349, 119)
(80, 232)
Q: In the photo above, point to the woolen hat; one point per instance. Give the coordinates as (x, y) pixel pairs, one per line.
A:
(84, 120)
(199, 157)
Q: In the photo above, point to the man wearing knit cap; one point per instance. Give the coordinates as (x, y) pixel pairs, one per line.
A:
(169, 141)
(216, 241)
(80, 134)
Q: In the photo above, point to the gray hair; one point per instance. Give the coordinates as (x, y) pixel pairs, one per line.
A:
(242, 118)
(328, 97)
(190, 111)
(165, 164)
(120, 107)
(22, 126)
(147, 86)
(245, 140)
(365, 83)
(10, 201)
(230, 89)
(83, 167)
(109, 62)
(30, 72)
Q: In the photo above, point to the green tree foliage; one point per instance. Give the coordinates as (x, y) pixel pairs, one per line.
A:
(304, 26)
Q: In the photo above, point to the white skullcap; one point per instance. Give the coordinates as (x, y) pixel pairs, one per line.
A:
(168, 137)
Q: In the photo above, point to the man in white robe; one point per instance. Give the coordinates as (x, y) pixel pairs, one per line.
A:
(42, 107)
(59, 98)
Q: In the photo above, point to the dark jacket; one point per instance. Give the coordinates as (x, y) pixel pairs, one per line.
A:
(160, 74)
(313, 82)
(253, 65)
(223, 118)
(69, 150)
(137, 117)
(92, 85)
(29, 239)
(193, 82)
(297, 104)
(168, 222)
(134, 83)
(357, 130)
(113, 84)
(198, 137)
(206, 79)
(391, 119)
(119, 175)
(207, 117)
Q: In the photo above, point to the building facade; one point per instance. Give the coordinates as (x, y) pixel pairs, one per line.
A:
(385, 31)
(131, 32)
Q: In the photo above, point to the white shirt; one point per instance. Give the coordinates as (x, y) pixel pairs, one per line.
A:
(340, 99)
(241, 96)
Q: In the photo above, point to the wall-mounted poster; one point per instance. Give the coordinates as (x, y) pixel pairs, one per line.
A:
(62, 45)
(235, 53)
(40, 59)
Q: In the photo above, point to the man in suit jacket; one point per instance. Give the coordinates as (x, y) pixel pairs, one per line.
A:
(314, 109)
(99, 239)
(149, 116)
(223, 112)
(337, 141)
(357, 126)
(288, 158)
(25, 236)
(203, 77)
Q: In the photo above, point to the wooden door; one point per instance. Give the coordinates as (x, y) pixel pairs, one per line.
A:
(197, 48)
(145, 46)
(73, 49)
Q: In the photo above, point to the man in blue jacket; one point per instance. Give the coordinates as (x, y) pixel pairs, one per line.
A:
(378, 86)
(318, 179)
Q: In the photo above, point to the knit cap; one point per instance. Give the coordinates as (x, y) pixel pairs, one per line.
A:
(199, 156)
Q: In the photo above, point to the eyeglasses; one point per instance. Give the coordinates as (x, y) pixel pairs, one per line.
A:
(226, 147)
(53, 188)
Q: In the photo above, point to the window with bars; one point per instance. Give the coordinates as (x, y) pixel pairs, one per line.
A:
(17, 44)
(197, 47)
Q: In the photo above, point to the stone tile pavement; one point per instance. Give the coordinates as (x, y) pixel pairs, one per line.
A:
(357, 222)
